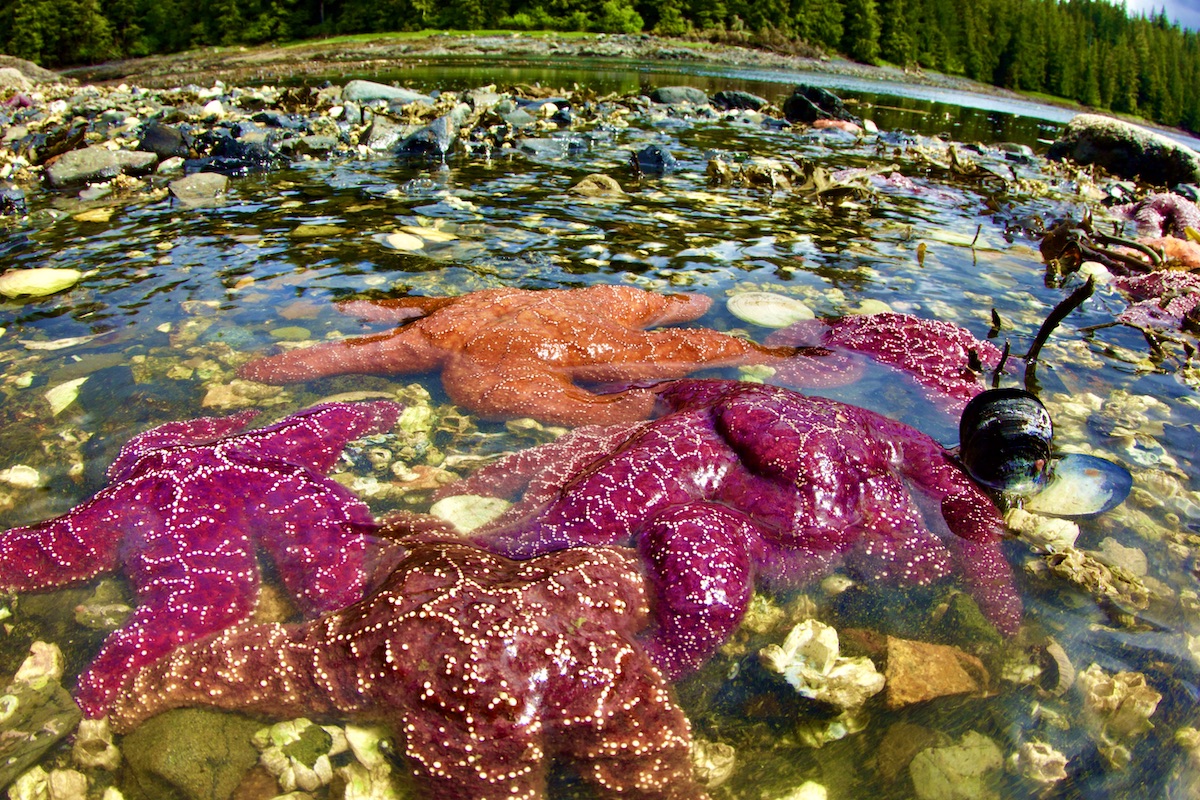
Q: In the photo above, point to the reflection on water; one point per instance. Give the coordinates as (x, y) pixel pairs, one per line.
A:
(175, 300)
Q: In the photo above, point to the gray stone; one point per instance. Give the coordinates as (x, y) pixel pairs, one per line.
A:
(742, 101)
(808, 104)
(436, 138)
(32, 71)
(136, 162)
(310, 144)
(165, 140)
(11, 78)
(37, 716)
(385, 132)
(199, 189)
(676, 95)
(93, 163)
(1126, 150)
(519, 118)
(483, 99)
(369, 91)
(189, 754)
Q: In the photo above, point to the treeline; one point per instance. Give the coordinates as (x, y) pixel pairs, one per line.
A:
(1086, 50)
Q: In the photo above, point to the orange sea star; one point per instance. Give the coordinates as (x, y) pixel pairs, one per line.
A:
(516, 352)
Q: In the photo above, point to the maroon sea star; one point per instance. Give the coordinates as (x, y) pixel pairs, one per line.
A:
(1161, 299)
(487, 668)
(513, 352)
(742, 481)
(942, 358)
(188, 505)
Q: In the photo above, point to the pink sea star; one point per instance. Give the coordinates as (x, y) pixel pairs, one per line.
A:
(188, 505)
(942, 358)
(743, 481)
(485, 668)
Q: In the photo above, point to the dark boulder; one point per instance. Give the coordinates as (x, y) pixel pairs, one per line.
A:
(808, 104)
(166, 141)
(1126, 150)
(656, 159)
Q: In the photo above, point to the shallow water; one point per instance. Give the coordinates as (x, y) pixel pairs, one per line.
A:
(175, 299)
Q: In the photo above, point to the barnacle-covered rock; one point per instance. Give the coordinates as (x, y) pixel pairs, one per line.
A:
(1118, 710)
(297, 753)
(1039, 762)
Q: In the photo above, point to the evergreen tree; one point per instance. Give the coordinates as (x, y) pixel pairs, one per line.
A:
(895, 35)
(860, 35)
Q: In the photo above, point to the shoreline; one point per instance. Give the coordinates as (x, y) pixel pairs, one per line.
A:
(347, 55)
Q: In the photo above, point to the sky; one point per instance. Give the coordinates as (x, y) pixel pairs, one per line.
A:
(1185, 12)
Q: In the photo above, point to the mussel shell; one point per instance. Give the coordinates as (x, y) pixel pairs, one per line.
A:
(1004, 439)
(1080, 486)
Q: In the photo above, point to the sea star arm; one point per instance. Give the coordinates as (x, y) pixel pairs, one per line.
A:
(537, 474)
(636, 308)
(523, 387)
(669, 353)
(315, 531)
(184, 433)
(394, 310)
(225, 671)
(698, 557)
(402, 351)
(316, 436)
(181, 600)
(74, 547)
(970, 515)
(657, 766)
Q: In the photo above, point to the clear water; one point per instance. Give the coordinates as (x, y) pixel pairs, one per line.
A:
(182, 297)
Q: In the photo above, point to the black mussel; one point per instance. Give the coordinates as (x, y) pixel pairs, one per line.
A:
(1004, 439)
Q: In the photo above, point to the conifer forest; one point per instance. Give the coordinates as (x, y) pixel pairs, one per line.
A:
(1090, 51)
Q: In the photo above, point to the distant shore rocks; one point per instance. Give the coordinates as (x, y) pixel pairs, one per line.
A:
(1126, 150)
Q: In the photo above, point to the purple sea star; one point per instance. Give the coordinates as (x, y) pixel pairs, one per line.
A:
(1162, 214)
(939, 356)
(188, 505)
(742, 481)
(486, 668)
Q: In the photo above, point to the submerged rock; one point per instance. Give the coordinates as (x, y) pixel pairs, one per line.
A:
(35, 712)
(37, 281)
(917, 672)
(597, 185)
(656, 159)
(199, 189)
(190, 754)
(960, 771)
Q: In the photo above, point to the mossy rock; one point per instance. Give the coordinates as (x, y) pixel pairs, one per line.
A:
(189, 754)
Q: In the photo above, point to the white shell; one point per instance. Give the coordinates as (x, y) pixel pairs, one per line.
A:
(768, 309)
(1081, 485)
(401, 241)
